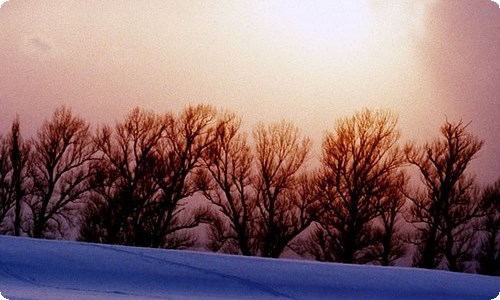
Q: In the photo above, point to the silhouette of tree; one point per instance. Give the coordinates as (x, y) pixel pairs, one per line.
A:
(488, 256)
(443, 212)
(14, 153)
(392, 241)
(359, 180)
(124, 185)
(7, 196)
(19, 154)
(180, 153)
(146, 171)
(225, 181)
(285, 206)
(60, 170)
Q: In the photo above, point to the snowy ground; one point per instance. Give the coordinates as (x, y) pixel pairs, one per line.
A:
(39, 269)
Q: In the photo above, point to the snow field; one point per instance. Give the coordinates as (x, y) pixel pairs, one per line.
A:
(40, 269)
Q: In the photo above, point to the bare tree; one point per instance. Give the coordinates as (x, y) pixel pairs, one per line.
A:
(442, 214)
(488, 256)
(124, 186)
(180, 153)
(19, 154)
(225, 181)
(390, 206)
(147, 171)
(358, 180)
(14, 153)
(7, 196)
(60, 172)
(284, 209)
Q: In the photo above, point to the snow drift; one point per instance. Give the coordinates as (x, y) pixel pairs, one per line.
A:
(41, 269)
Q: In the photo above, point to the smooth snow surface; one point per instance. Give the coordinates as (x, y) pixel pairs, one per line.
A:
(40, 269)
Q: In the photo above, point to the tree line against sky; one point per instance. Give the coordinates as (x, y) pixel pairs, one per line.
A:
(158, 180)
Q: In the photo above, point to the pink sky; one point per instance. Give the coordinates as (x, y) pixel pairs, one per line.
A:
(268, 60)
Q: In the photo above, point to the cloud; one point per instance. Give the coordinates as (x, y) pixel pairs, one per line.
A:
(39, 47)
(461, 48)
(461, 54)
(40, 44)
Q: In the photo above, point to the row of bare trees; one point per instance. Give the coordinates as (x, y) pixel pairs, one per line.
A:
(263, 198)
(152, 180)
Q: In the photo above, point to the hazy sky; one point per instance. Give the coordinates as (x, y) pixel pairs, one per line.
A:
(307, 61)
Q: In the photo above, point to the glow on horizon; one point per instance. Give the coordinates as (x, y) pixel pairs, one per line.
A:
(343, 24)
(308, 62)
(354, 49)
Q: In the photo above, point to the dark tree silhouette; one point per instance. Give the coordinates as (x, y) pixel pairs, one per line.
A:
(443, 212)
(359, 180)
(488, 256)
(60, 171)
(392, 240)
(263, 198)
(225, 181)
(124, 185)
(19, 155)
(180, 153)
(146, 174)
(14, 153)
(285, 206)
(7, 195)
